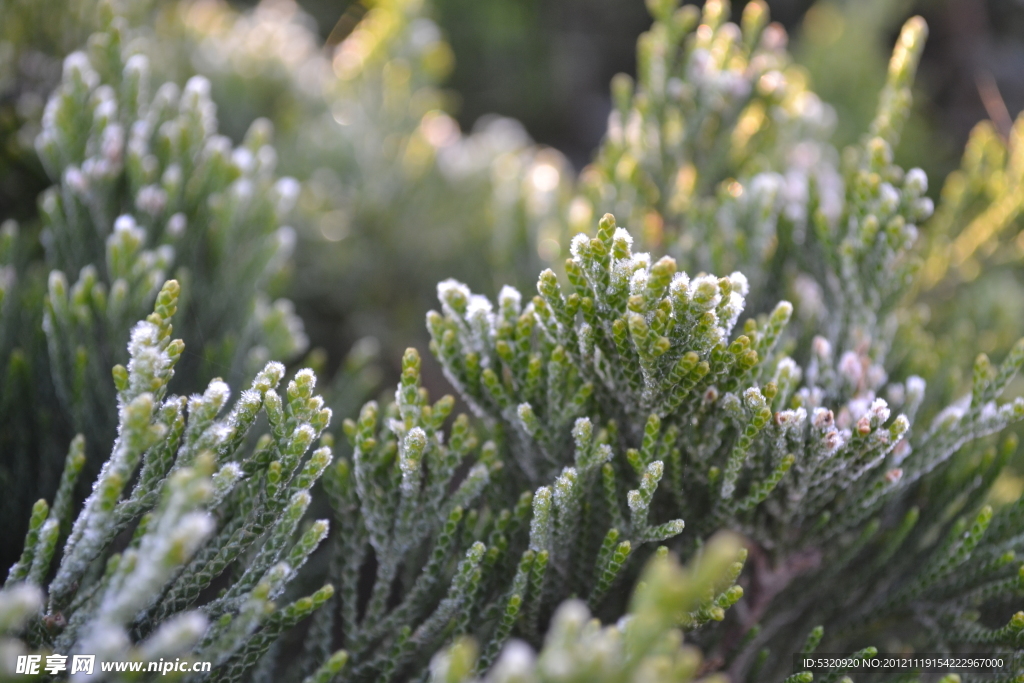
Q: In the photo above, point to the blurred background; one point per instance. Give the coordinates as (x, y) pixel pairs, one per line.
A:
(548, 63)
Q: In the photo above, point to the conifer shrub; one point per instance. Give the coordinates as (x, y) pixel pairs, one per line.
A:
(144, 189)
(698, 450)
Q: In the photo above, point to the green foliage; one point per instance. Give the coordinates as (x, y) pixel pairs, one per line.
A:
(179, 198)
(625, 404)
(646, 645)
(651, 356)
(806, 459)
(718, 153)
(145, 188)
(200, 498)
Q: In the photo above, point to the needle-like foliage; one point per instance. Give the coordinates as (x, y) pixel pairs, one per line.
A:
(727, 377)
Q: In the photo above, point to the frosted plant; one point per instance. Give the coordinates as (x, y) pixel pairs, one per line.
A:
(711, 152)
(638, 400)
(719, 155)
(201, 498)
(34, 39)
(144, 171)
(144, 187)
(639, 371)
(17, 605)
(644, 645)
(456, 548)
(639, 384)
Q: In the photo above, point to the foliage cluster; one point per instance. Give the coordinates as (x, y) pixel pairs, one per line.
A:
(625, 416)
